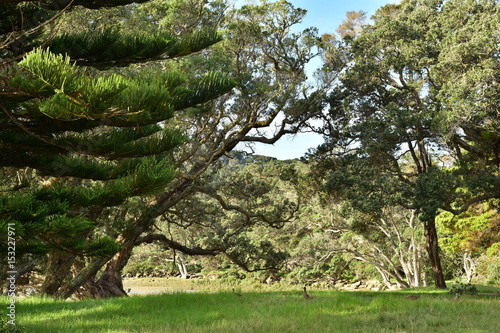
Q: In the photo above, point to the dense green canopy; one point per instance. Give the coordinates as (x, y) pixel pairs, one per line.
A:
(414, 122)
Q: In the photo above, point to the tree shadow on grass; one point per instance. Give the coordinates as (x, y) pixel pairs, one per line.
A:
(328, 311)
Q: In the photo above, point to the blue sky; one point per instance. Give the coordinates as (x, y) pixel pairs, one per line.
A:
(326, 15)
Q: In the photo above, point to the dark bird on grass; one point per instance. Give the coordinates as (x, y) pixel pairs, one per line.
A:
(306, 295)
(237, 294)
(413, 297)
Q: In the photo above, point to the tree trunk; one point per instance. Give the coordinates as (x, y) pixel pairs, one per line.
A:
(416, 248)
(469, 266)
(58, 270)
(110, 283)
(433, 251)
(181, 263)
(82, 284)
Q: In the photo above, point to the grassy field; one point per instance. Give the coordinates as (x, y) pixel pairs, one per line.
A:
(265, 311)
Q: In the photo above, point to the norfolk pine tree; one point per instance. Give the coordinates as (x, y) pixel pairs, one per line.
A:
(82, 134)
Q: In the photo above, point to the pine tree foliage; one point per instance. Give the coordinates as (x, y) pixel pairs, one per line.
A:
(84, 125)
(112, 47)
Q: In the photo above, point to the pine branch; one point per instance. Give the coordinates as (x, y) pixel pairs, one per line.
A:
(30, 133)
(112, 47)
(208, 87)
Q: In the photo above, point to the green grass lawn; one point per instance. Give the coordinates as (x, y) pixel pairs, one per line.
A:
(281, 311)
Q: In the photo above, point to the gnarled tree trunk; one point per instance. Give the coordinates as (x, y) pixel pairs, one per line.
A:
(58, 270)
(83, 284)
(110, 283)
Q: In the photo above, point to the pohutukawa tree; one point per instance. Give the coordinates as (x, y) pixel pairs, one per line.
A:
(414, 121)
(271, 99)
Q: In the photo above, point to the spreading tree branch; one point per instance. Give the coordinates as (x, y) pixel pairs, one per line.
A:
(176, 246)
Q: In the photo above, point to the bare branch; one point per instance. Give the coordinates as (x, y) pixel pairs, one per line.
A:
(86, 3)
(12, 38)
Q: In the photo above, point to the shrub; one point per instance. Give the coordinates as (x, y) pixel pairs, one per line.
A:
(488, 267)
(318, 272)
(232, 275)
(463, 289)
(493, 277)
(151, 266)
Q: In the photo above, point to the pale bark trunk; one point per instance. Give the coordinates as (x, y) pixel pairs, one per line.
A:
(181, 263)
(469, 266)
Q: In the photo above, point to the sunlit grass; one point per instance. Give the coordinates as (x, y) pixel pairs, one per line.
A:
(280, 311)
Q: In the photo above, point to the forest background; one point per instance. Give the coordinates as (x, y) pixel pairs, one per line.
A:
(120, 123)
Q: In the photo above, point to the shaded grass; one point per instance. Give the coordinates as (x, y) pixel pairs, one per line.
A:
(283, 311)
